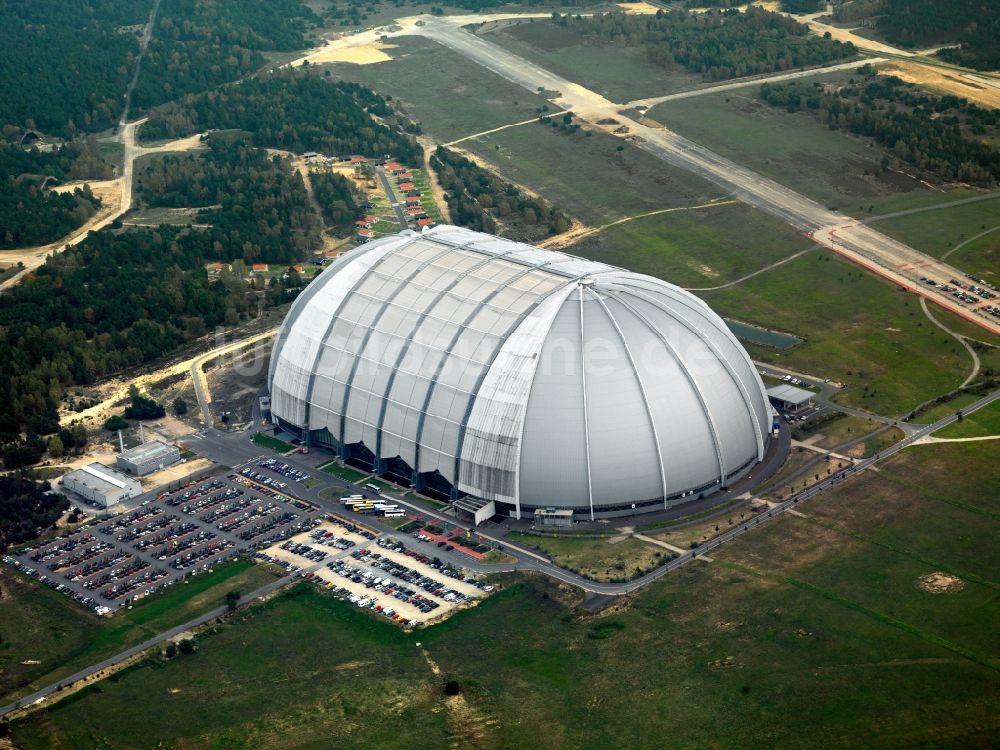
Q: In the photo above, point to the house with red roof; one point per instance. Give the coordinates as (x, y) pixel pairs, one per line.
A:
(425, 222)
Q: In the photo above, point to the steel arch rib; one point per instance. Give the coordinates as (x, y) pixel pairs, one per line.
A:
(413, 332)
(709, 419)
(451, 345)
(570, 281)
(642, 390)
(326, 335)
(740, 385)
(744, 393)
(302, 301)
(385, 303)
(586, 417)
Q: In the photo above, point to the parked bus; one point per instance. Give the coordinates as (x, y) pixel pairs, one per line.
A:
(394, 513)
(373, 488)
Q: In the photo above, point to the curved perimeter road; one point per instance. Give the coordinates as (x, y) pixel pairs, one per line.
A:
(527, 560)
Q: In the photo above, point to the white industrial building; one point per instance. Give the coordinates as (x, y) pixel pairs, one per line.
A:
(149, 457)
(526, 379)
(101, 484)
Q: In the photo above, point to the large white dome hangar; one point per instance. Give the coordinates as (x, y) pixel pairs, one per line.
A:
(478, 366)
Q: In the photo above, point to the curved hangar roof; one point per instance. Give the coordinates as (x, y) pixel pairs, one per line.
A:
(522, 375)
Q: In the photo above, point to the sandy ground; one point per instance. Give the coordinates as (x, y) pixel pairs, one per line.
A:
(640, 8)
(110, 193)
(116, 197)
(116, 389)
(943, 81)
(940, 583)
(366, 54)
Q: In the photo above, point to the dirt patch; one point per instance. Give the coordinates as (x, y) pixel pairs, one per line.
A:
(639, 8)
(940, 583)
(727, 662)
(356, 664)
(366, 54)
(942, 81)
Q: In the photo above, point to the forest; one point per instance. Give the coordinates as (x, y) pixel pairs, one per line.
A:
(91, 38)
(200, 44)
(257, 204)
(942, 136)
(973, 24)
(478, 199)
(32, 215)
(120, 299)
(335, 196)
(26, 507)
(291, 110)
(717, 44)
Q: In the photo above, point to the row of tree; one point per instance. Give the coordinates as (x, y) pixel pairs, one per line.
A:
(291, 110)
(198, 45)
(26, 507)
(478, 199)
(256, 203)
(30, 214)
(717, 44)
(41, 40)
(945, 137)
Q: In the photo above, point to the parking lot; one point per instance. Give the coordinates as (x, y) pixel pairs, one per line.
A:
(112, 561)
(379, 573)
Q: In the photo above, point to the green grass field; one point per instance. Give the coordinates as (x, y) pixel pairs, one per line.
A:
(422, 74)
(856, 329)
(812, 631)
(938, 232)
(617, 72)
(590, 178)
(39, 624)
(838, 170)
(345, 472)
(985, 421)
(598, 559)
(304, 670)
(269, 441)
(699, 248)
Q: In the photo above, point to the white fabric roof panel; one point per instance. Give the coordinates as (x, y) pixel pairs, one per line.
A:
(463, 353)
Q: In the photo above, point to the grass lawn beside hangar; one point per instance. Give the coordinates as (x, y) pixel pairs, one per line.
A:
(830, 629)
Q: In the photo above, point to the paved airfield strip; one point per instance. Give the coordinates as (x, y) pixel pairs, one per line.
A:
(841, 234)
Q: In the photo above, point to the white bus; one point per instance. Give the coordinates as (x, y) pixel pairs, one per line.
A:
(399, 513)
(373, 488)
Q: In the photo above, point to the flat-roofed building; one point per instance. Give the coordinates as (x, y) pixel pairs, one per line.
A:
(149, 457)
(101, 484)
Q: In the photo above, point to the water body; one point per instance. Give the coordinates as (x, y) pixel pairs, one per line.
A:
(758, 335)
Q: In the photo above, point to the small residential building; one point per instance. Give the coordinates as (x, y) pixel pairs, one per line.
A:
(259, 267)
(101, 485)
(365, 235)
(412, 201)
(426, 222)
(405, 185)
(788, 398)
(405, 177)
(149, 457)
(331, 254)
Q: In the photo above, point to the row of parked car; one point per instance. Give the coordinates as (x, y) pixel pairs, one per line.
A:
(192, 495)
(304, 550)
(272, 464)
(329, 539)
(86, 601)
(383, 585)
(400, 572)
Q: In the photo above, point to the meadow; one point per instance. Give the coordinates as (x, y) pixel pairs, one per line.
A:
(813, 630)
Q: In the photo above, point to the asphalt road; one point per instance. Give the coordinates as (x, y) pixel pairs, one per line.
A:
(839, 233)
(391, 195)
(41, 695)
(229, 445)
